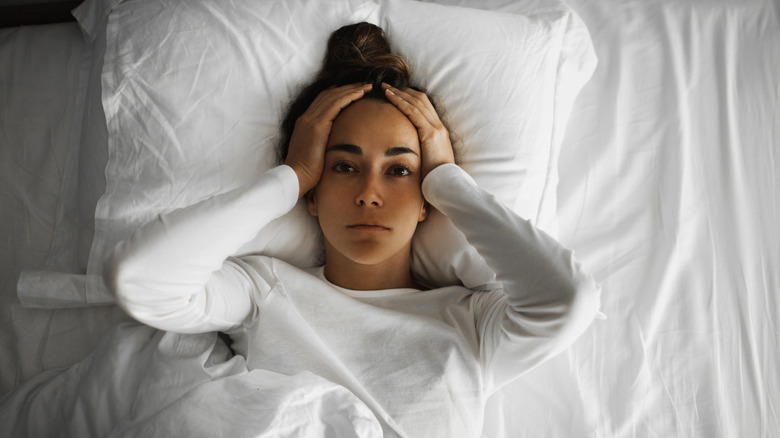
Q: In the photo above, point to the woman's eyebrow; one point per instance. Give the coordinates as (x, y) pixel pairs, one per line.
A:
(399, 150)
(349, 148)
(353, 149)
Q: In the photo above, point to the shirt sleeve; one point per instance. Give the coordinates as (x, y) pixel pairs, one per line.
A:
(176, 273)
(548, 299)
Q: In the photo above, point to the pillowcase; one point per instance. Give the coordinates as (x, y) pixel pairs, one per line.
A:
(194, 92)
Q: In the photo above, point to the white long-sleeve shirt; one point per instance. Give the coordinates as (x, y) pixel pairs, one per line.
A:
(423, 361)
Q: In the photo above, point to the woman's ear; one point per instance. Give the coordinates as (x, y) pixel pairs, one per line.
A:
(423, 212)
(311, 202)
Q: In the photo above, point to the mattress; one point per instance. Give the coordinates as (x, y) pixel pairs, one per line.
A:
(668, 192)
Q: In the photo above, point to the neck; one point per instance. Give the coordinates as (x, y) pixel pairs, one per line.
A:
(392, 273)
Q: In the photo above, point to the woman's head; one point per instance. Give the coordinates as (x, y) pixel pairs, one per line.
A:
(367, 196)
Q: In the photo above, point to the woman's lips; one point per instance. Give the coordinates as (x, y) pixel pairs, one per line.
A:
(368, 227)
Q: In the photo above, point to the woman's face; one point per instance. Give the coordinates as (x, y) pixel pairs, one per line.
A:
(369, 198)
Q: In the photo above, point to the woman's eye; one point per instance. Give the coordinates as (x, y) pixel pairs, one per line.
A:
(342, 167)
(400, 171)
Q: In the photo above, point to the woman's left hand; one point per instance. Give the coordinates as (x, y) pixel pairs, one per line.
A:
(435, 144)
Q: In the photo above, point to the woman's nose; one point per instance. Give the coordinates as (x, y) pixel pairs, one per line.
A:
(369, 193)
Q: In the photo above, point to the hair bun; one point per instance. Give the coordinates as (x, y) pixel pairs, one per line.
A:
(361, 53)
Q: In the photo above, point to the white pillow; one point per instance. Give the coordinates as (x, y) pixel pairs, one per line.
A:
(194, 91)
(507, 83)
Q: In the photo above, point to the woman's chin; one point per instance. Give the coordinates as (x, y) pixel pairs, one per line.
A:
(368, 257)
(370, 253)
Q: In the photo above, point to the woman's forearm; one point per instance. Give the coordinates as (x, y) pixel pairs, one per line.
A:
(160, 274)
(550, 299)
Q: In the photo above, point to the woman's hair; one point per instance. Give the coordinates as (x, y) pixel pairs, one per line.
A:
(356, 53)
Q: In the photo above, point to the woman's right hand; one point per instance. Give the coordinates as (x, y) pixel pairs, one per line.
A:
(306, 153)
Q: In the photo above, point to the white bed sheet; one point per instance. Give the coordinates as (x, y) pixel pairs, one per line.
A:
(668, 192)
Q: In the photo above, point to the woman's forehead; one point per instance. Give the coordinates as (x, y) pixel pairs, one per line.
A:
(374, 127)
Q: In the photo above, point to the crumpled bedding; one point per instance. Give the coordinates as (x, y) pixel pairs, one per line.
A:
(668, 192)
(145, 382)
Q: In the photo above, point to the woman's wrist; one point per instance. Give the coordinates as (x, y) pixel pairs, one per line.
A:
(432, 163)
(306, 180)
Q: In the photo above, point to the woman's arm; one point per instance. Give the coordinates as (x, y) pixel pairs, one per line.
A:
(172, 273)
(549, 300)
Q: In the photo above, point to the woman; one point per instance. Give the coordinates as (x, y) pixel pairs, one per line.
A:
(369, 154)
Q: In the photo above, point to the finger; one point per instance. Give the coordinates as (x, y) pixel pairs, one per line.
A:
(415, 111)
(335, 93)
(329, 103)
(410, 93)
(415, 99)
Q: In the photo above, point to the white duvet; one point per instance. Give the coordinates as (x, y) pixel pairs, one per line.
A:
(141, 382)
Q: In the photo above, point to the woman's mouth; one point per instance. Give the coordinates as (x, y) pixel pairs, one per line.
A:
(368, 227)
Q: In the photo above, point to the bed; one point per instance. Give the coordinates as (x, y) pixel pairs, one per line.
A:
(663, 180)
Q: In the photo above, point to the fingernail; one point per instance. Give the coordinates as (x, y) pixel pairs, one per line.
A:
(388, 91)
